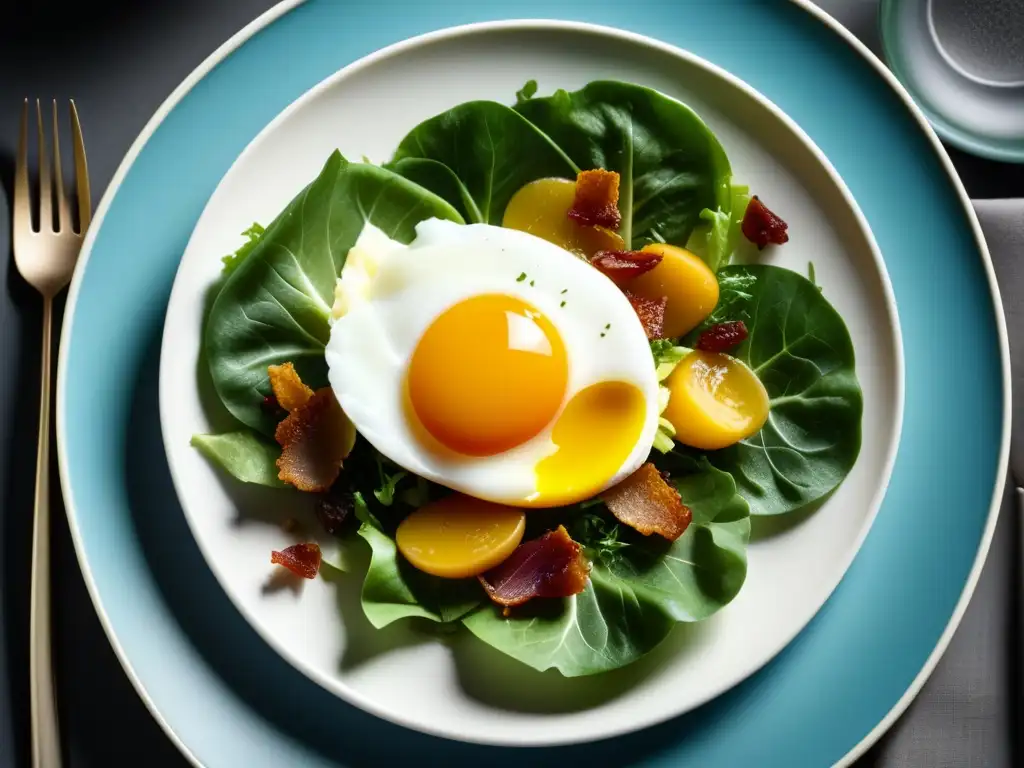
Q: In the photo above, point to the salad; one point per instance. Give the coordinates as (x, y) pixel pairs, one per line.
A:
(533, 364)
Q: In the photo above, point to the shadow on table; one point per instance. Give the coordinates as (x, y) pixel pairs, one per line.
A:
(45, 28)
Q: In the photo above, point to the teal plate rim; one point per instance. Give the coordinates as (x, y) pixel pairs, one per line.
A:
(221, 694)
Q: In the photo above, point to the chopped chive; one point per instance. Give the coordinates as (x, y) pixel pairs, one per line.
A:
(565, 290)
(608, 326)
(562, 304)
(531, 283)
(602, 334)
(522, 276)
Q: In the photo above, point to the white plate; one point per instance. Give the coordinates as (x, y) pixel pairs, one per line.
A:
(463, 689)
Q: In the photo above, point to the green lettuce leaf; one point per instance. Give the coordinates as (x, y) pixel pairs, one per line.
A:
(394, 590)
(670, 164)
(667, 355)
(275, 305)
(442, 181)
(482, 153)
(386, 492)
(528, 91)
(639, 588)
(719, 236)
(801, 350)
(232, 260)
(244, 455)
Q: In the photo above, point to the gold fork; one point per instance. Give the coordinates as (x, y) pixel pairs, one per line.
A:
(46, 257)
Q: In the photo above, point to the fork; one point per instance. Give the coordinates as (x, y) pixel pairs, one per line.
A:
(46, 257)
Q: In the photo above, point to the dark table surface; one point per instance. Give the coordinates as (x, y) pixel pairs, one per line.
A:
(119, 61)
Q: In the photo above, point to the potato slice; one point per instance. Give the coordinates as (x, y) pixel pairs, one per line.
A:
(460, 536)
(716, 401)
(687, 282)
(542, 209)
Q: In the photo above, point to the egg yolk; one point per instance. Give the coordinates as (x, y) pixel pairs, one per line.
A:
(594, 435)
(487, 375)
(715, 401)
(459, 536)
(542, 207)
(687, 282)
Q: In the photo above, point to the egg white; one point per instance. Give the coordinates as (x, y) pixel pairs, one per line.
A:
(372, 342)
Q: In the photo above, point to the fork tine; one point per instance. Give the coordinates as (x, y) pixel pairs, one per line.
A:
(45, 191)
(22, 198)
(81, 172)
(63, 211)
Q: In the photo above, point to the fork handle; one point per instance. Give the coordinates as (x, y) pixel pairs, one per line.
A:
(45, 735)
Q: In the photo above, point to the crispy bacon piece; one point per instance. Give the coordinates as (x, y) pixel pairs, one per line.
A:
(723, 336)
(647, 503)
(550, 566)
(597, 199)
(761, 226)
(651, 313)
(314, 440)
(301, 559)
(623, 266)
(289, 391)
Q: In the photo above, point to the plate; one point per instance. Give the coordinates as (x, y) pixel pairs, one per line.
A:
(962, 66)
(461, 688)
(227, 698)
